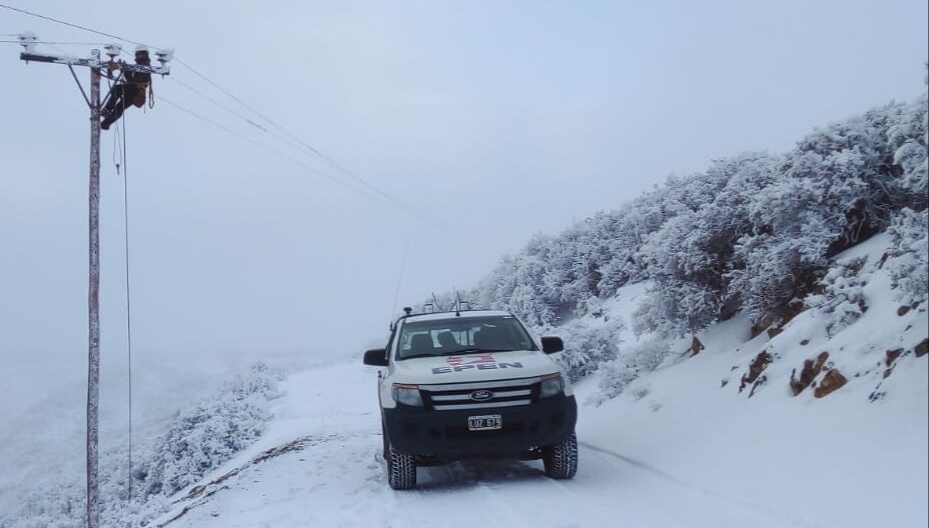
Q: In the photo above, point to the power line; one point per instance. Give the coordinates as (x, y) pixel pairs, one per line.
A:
(293, 139)
(58, 43)
(384, 197)
(304, 144)
(125, 160)
(232, 111)
(215, 85)
(77, 26)
(267, 148)
(296, 142)
(406, 253)
(59, 50)
(244, 104)
(383, 194)
(343, 183)
(377, 193)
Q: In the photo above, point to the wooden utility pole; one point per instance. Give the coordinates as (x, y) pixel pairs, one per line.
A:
(96, 64)
(93, 303)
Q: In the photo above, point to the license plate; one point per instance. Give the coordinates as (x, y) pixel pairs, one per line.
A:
(485, 423)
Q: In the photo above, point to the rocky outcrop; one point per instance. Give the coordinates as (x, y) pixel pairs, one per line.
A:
(696, 346)
(775, 325)
(833, 381)
(811, 369)
(922, 348)
(892, 356)
(753, 376)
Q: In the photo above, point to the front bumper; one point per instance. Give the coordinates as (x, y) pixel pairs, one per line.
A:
(445, 434)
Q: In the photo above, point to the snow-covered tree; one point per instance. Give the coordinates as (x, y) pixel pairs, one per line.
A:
(587, 346)
(199, 439)
(909, 136)
(842, 294)
(633, 361)
(755, 232)
(910, 267)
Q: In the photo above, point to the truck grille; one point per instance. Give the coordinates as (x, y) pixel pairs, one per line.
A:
(480, 395)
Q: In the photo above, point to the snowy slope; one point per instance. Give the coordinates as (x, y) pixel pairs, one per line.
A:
(681, 446)
(684, 454)
(337, 479)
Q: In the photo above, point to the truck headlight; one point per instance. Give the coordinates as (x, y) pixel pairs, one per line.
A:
(408, 394)
(552, 385)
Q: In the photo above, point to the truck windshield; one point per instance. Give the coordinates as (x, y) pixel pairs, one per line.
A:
(463, 335)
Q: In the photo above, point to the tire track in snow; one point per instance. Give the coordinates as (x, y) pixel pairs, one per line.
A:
(203, 493)
(580, 498)
(746, 505)
(512, 493)
(487, 495)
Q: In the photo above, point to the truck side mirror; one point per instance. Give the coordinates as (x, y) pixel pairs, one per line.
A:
(376, 357)
(552, 344)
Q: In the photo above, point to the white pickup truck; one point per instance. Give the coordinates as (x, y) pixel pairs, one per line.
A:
(471, 384)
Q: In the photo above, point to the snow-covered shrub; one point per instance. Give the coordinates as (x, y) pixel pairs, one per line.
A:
(587, 345)
(633, 361)
(519, 284)
(589, 305)
(909, 270)
(690, 256)
(795, 221)
(623, 235)
(206, 435)
(199, 439)
(843, 294)
(909, 136)
(837, 188)
(672, 312)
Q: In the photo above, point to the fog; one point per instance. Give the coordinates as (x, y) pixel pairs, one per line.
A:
(473, 125)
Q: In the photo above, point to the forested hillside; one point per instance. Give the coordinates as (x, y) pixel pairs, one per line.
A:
(755, 233)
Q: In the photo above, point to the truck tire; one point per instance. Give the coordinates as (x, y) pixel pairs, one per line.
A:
(401, 470)
(560, 459)
(386, 450)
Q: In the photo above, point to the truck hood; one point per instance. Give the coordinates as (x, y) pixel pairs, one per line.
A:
(473, 367)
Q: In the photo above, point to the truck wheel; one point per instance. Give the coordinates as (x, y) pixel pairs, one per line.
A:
(560, 459)
(401, 470)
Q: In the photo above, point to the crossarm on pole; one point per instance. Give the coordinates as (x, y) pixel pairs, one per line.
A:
(79, 85)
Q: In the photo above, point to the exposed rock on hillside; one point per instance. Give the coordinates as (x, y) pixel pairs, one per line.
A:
(811, 369)
(833, 381)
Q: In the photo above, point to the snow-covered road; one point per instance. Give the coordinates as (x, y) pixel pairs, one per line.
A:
(336, 477)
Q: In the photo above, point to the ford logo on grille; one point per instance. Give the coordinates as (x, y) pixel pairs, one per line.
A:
(481, 395)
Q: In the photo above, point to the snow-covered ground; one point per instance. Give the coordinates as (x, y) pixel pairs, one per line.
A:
(681, 454)
(338, 479)
(692, 443)
(680, 447)
(686, 445)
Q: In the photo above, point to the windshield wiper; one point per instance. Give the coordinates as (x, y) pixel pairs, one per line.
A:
(414, 356)
(456, 352)
(477, 350)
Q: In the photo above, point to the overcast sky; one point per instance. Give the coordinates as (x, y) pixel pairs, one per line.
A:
(498, 119)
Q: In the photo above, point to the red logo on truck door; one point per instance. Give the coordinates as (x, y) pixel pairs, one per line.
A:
(474, 362)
